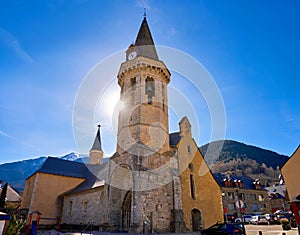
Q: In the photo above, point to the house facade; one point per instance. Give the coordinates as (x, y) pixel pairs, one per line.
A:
(254, 198)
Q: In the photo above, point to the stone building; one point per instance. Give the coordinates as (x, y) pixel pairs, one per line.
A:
(254, 197)
(156, 181)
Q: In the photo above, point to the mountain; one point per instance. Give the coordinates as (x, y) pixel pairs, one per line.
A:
(232, 157)
(227, 157)
(15, 173)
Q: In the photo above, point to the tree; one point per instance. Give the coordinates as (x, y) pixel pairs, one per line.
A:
(3, 196)
(16, 224)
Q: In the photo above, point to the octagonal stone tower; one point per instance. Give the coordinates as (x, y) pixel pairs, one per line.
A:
(143, 79)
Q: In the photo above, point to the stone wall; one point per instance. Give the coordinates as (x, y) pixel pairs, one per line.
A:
(154, 199)
(85, 207)
(143, 118)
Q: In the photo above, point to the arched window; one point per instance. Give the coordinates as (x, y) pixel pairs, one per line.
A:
(70, 207)
(150, 89)
(163, 95)
(192, 186)
(133, 83)
(196, 220)
(191, 167)
(192, 181)
(133, 87)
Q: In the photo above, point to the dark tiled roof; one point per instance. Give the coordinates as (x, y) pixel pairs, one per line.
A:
(145, 42)
(140, 149)
(247, 181)
(174, 138)
(97, 141)
(96, 176)
(276, 196)
(57, 166)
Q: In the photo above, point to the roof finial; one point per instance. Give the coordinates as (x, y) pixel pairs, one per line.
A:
(145, 13)
(99, 125)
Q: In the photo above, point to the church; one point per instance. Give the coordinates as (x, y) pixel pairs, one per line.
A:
(156, 181)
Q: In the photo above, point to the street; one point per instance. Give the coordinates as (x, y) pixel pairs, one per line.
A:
(268, 229)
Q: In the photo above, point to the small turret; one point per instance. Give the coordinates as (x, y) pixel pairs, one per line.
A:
(96, 153)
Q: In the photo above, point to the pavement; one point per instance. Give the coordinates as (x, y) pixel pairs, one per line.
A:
(269, 230)
(250, 230)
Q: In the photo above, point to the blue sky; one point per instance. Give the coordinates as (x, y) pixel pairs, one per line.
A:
(250, 48)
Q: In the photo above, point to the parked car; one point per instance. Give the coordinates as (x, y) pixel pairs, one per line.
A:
(230, 218)
(245, 219)
(225, 229)
(272, 219)
(259, 219)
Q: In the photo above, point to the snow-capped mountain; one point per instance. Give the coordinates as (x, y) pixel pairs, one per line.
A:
(71, 157)
(15, 173)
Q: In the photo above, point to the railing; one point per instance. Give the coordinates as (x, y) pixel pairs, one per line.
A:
(89, 225)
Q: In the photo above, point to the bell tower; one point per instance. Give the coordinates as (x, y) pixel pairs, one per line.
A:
(143, 79)
(96, 152)
(142, 192)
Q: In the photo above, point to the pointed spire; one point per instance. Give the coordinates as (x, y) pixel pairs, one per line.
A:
(144, 38)
(97, 141)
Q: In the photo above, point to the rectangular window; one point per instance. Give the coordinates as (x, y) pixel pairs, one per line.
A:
(242, 196)
(189, 149)
(253, 197)
(231, 206)
(261, 198)
(230, 195)
(85, 206)
(70, 207)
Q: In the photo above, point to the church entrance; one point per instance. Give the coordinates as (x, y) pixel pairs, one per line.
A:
(126, 211)
(196, 220)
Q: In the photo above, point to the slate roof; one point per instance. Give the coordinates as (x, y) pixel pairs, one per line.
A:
(247, 181)
(97, 141)
(174, 138)
(57, 166)
(96, 176)
(145, 42)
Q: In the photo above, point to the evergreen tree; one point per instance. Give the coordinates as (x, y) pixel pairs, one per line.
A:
(3, 196)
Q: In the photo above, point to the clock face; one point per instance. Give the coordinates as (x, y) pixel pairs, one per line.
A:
(132, 55)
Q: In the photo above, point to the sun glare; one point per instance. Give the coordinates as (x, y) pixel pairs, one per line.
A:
(112, 103)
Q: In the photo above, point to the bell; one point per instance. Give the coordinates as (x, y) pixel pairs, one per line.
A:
(149, 90)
